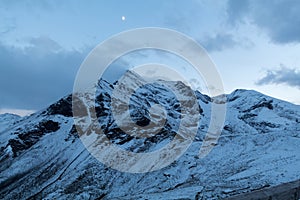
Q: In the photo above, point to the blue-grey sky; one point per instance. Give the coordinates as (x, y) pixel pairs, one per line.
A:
(254, 44)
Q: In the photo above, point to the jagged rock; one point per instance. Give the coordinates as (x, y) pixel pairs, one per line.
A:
(62, 107)
(27, 139)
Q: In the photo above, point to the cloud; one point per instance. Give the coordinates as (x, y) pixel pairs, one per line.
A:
(178, 22)
(283, 75)
(218, 42)
(7, 28)
(178, 14)
(7, 25)
(196, 17)
(236, 10)
(44, 43)
(279, 18)
(36, 75)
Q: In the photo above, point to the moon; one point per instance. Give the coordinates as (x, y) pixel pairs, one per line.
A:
(123, 18)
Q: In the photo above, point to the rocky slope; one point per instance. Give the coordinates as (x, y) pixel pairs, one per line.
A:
(42, 156)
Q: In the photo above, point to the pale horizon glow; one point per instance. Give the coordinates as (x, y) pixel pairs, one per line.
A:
(19, 112)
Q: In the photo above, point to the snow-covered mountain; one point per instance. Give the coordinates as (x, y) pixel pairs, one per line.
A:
(42, 156)
(7, 119)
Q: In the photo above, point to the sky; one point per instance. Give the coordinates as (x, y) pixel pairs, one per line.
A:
(254, 44)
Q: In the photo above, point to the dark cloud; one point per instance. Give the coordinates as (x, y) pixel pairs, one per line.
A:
(179, 14)
(279, 18)
(218, 42)
(283, 75)
(237, 10)
(37, 75)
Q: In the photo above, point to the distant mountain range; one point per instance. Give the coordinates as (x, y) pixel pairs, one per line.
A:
(42, 156)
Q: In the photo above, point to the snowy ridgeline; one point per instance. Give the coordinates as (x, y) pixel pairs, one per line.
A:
(43, 157)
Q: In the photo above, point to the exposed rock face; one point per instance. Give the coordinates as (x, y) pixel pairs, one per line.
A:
(27, 138)
(286, 191)
(62, 107)
(42, 156)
